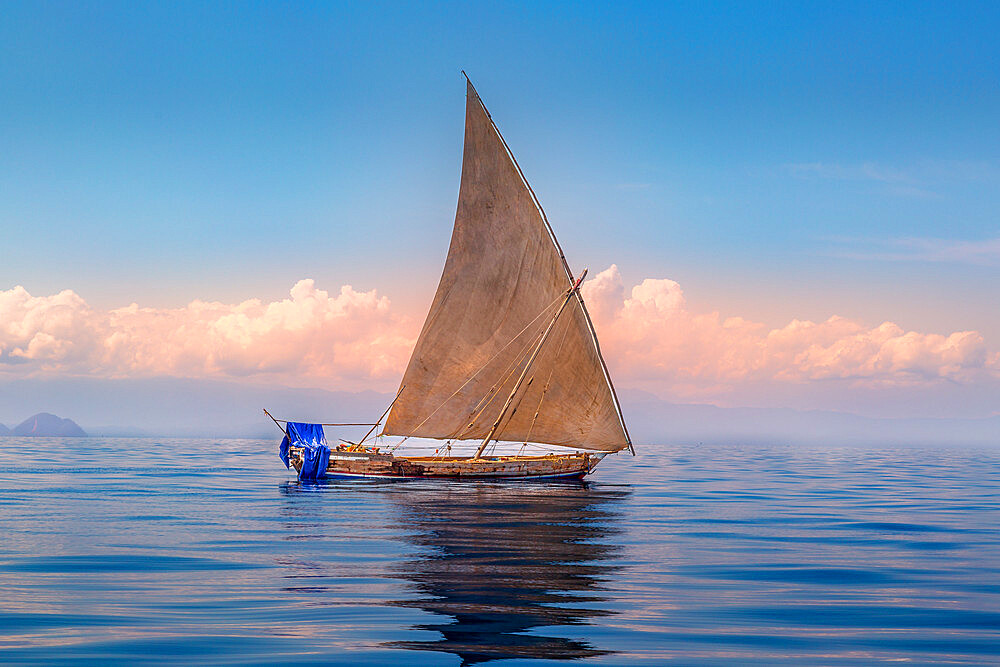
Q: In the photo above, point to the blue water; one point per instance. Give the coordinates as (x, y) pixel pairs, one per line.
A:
(198, 551)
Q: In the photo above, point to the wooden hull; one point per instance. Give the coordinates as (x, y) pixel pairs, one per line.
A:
(345, 464)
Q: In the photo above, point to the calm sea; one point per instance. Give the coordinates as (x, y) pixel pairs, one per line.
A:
(201, 551)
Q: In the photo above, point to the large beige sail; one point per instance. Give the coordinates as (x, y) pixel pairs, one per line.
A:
(503, 282)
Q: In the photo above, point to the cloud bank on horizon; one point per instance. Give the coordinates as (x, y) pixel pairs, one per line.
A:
(654, 340)
(350, 338)
(356, 340)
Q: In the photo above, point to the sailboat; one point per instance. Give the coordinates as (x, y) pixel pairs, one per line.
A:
(507, 355)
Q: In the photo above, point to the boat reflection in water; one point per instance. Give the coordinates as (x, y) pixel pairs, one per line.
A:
(502, 560)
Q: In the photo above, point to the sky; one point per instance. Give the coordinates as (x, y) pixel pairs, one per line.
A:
(781, 204)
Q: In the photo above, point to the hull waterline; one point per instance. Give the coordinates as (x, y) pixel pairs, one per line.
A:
(353, 465)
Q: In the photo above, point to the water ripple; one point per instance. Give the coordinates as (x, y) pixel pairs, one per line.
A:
(129, 551)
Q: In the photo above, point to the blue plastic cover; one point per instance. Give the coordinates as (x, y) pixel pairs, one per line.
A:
(316, 453)
(283, 452)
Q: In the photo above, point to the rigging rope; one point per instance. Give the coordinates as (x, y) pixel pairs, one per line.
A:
(510, 371)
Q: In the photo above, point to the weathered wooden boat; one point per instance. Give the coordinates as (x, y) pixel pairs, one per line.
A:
(508, 353)
(343, 463)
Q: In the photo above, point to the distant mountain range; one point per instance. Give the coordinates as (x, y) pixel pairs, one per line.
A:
(46, 425)
(169, 407)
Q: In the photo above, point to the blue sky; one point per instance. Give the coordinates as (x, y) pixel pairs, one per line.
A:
(779, 160)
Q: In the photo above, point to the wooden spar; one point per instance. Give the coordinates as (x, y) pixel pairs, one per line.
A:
(527, 366)
(283, 429)
(375, 426)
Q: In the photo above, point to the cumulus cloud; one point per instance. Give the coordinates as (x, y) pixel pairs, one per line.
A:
(355, 340)
(650, 336)
(352, 337)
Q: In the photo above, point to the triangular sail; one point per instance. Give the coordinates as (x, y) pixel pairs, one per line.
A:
(502, 284)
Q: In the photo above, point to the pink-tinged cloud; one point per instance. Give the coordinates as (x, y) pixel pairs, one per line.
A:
(351, 340)
(355, 340)
(651, 338)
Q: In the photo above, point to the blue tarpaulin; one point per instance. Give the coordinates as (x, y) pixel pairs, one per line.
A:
(315, 454)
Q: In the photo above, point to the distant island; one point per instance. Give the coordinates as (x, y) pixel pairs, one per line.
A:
(45, 424)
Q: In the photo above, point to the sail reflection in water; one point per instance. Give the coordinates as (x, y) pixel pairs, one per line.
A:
(502, 560)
